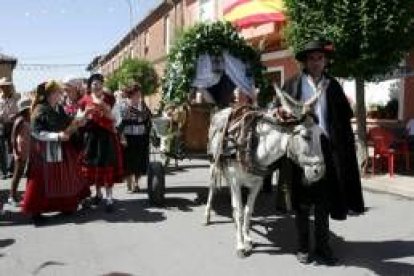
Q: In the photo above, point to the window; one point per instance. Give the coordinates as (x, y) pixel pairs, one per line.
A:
(167, 34)
(206, 10)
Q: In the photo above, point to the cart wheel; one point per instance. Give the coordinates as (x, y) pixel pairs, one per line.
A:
(156, 183)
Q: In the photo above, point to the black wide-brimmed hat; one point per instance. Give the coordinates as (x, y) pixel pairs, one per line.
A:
(315, 46)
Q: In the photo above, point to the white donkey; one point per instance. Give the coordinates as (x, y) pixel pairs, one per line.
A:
(300, 142)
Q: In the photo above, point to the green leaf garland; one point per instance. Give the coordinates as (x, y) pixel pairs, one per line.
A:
(210, 38)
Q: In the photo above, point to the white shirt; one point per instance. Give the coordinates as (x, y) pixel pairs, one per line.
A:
(309, 89)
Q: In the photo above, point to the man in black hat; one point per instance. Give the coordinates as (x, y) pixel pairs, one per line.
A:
(340, 190)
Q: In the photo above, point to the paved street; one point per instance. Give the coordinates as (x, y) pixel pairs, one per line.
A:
(141, 240)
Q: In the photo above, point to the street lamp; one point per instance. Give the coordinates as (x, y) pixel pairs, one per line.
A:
(131, 13)
(131, 25)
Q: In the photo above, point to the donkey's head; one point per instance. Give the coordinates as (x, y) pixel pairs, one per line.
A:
(305, 149)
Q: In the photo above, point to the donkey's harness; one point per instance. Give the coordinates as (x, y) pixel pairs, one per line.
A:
(239, 140)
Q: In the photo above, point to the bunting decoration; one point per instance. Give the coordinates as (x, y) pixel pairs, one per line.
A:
(248, 13)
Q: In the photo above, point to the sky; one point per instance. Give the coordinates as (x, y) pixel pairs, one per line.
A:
(63, 33)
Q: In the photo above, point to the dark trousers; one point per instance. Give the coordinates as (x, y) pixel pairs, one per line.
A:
(321, 226)
(19, 166)
(3, 155)
(267, 183)
(314, 195)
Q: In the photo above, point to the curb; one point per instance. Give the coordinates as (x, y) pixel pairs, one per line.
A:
(401, 186)
(388, 192)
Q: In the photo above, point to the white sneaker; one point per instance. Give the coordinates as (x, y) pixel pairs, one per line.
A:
(13, 202)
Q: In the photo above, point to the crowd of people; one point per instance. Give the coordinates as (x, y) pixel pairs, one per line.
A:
(71, 138)
(74, 141)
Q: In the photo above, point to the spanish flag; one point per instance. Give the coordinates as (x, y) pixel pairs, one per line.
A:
(247, 13)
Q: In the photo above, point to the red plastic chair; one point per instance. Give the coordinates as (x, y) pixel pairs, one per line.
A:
(387, 147)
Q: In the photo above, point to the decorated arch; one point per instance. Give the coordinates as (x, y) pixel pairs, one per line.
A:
(212, 39)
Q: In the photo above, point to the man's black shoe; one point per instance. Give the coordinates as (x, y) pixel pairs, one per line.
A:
(39, 219)
(325, 257)
(303, 257)
(109, 207)
(96, 200)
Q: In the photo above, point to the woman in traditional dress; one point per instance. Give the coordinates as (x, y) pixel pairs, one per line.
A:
(101, 157)
(135, 128)
(53, 183)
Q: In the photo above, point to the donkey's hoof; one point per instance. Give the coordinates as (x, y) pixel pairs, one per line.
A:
(241, 253)
(206, 220)
(248, 246)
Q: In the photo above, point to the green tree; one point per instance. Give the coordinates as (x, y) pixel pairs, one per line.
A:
(134, 70)
(371, 37)
(112, 81)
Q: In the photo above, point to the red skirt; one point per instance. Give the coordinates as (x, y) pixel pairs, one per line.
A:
(100, 176)
(53, 186)
(105, 176)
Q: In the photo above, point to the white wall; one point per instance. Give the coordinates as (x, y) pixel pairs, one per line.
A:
(375, 93)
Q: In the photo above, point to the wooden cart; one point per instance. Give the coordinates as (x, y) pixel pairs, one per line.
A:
(173, 140)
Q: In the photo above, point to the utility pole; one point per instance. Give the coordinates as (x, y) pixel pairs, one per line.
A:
(131, 26)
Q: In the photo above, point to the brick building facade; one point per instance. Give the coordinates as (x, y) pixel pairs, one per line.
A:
(151, 38)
